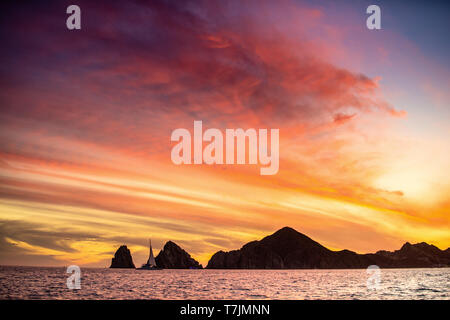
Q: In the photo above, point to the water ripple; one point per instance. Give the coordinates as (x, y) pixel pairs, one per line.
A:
(50, 283)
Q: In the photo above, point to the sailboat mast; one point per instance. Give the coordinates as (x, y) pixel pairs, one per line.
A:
(151, 259)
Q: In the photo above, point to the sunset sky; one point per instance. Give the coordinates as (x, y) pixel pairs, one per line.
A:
(86, 118)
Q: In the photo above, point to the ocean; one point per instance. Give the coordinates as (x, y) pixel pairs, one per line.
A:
(103, 283)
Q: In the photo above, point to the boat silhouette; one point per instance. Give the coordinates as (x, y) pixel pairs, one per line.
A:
(151, 262)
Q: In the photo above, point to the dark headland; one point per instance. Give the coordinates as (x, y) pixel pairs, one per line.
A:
(290, 249)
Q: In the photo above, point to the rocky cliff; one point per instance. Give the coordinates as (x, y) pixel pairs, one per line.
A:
(122, 258)
(289, 249)
(419, 255)
(174, 257)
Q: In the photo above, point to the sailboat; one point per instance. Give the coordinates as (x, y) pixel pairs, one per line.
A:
(151, 263)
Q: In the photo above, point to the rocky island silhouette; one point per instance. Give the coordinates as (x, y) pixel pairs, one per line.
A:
(171, 256)
(290, 249)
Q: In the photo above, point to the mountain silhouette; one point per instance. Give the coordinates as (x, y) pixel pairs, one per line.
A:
(173, 256)
(290, 249)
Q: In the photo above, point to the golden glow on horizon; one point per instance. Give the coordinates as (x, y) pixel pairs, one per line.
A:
(206, 209)
(243, 213)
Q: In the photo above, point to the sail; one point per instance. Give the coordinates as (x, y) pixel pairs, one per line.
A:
(151, 259)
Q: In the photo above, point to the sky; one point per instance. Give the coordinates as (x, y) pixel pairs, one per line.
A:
(86, 119)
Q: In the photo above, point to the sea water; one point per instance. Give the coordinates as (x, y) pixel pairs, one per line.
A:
(103, 283)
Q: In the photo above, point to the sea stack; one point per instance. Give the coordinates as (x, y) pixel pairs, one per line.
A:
(122, 258)
(174, 257)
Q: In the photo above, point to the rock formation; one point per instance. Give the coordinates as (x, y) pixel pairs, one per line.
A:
(174, 257)
(289, 249)
(122, 258)
(419, 255)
